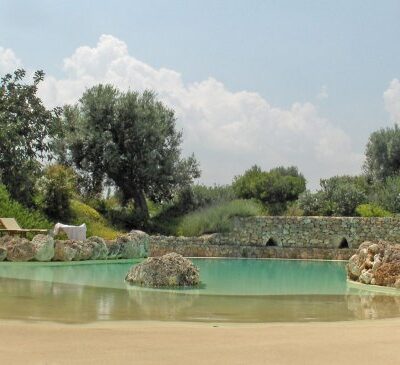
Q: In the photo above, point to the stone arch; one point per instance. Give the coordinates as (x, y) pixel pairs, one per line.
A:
(344, 243)
(271, 242)
(339, 241)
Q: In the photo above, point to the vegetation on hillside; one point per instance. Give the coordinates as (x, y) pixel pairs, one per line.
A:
(113, 161)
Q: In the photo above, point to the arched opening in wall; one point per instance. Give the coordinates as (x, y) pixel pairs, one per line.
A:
(343, 243)
(271, 242)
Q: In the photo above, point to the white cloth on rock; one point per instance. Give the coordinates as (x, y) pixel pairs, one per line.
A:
(77, 233)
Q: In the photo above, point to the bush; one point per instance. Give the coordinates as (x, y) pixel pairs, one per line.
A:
(194, 197)
(338, 196)
(26, 218)
(294, 210)
(372, 210)
(56, 187)
(217, 218)
(387, 194)
(275, 188)
(95, 222)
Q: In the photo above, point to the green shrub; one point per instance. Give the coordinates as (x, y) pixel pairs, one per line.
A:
(95, 222)
(26, 218)
(275, 188)
(56, 187)
(293, 210)
(217, 218)
(386, 194)
(338, 196)
(195, 197)
(372, 210)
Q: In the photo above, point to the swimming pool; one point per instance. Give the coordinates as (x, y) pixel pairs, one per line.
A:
(232, 290)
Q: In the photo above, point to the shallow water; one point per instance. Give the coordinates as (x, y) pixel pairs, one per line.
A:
(234, 290)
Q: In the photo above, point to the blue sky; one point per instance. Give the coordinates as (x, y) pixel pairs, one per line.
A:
(337, 56)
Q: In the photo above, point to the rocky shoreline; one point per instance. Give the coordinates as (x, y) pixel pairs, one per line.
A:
(376, 263)
(44, 248)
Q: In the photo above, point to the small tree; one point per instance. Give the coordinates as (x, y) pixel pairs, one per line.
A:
(26, 132)
(56, 187)
(274, 188)
(131, 139)
(383, 154)
(338, 196)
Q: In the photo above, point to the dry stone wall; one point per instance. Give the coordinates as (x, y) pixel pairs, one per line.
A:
(284, 237)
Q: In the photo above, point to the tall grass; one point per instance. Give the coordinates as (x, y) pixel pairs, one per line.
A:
(95, 222)
(217, 218)
(26, 218)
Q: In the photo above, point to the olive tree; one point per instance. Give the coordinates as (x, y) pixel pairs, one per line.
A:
(382, 155)
(131, 139)
(27, 129)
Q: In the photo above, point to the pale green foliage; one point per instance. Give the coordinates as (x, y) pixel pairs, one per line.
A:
(217, 218)
(383, 153)
(372, 210)
(95, 223)
(131, 139)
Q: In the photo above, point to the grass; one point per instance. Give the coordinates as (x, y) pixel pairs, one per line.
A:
(95, 222)
(216, 218)
(26, 218)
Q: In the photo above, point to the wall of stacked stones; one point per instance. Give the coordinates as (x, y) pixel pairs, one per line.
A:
(324, 232)
(284, 237)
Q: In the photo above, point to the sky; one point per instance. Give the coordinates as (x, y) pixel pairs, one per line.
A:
(267, 82)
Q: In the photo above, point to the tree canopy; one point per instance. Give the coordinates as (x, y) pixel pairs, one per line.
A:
(383, 153)
(274, 188)
(27, 130)
(129, 138)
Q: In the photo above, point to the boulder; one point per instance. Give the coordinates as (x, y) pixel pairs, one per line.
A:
(3, 253)
(64, 250)
(170, 270)
(20, 249)
(133, 245)
(114, 250)
(99, 248)
(376, 263)
(43, 246)
(353, 269)
(84, 250)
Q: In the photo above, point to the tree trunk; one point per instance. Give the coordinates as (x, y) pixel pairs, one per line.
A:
(141, 207)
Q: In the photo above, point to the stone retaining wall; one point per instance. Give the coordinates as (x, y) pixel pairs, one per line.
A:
(284, 237)
(324, 232)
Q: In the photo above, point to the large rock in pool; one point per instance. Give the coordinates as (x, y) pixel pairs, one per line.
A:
(376, 263)
(43, 246)
(170, 270)
(132, 245)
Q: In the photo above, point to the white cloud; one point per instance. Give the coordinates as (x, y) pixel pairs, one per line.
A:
(228, 131)
(323, 93)
(391, 98)
(8, 61)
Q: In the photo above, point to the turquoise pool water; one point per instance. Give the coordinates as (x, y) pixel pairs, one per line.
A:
(236, 290)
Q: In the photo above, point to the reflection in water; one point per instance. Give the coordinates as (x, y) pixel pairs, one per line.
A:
(232, 290)
(43, 300)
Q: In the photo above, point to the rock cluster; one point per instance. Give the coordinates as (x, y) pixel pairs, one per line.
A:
(170, 270)
(44, 248)
(376, 263)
